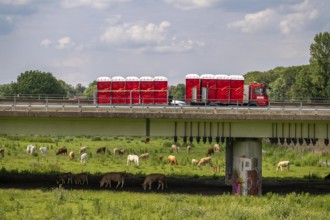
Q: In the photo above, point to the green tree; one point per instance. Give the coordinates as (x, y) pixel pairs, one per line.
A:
(90, 90)
(320, 57)
(39, 83)
(178, 92)
(8, 89)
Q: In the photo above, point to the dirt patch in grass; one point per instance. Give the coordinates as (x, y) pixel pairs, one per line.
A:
(183, 185)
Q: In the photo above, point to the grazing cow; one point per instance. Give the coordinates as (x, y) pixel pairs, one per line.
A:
(282, 164)
(112, 176)
(62, 150)
(188, 149)
(81, 178)
(146, 140)
(43, 150)
(133, 158)
(144, 156)
(30, 149)
(2, 152)
(210, 151)
(204, 161)
(172, 160)
(118, 151)
(83, 158)
(327, 177)
(71, 155)
(216, 147)
(65, 178)
(82, 150)
(194, 162)
(101, 150)
(174, 148)
(155, 177)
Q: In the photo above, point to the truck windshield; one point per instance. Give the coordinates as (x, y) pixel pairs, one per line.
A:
(259, 91)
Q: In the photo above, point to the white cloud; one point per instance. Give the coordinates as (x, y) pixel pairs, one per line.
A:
(191, 4)
(254, 22)
(137, 33)
(63, 43)
(299, 16)
(46, 43)
(97, 4)
(143, 38)
(285, 19)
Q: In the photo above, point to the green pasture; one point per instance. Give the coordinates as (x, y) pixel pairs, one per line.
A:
(80, 204)
(305, 164)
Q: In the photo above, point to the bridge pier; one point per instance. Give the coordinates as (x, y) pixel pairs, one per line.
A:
(243, 165)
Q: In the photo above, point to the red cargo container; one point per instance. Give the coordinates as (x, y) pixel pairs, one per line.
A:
(223, 87)
(160, 87)
(147, 90)
(132, 90)
(236, 89)
(192, 88)
(118, 92)
(103, 89)
(208, 84)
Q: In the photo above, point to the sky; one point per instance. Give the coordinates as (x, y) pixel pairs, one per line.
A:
(80, 40)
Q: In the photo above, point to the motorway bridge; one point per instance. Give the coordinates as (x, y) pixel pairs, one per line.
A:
(241, 128)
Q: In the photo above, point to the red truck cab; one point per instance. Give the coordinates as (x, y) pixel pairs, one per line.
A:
(257, 95)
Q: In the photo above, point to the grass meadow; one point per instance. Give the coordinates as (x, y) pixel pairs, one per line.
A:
(59, 203)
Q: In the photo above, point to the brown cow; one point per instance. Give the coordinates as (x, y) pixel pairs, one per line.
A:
(146, 140)
(114, 176)
(210, 151)
(155, 177)
(65, 178)
(81, 178)
(71, 155)
(172, 160)
(216, 147)
(118, 151)
(101, 150)
(204, 161)
(62, 150)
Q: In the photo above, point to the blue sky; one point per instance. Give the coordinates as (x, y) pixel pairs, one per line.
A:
(80, 40)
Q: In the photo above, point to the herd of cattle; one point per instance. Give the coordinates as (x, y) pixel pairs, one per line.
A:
(82, 178)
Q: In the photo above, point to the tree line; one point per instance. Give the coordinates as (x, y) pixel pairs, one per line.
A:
(295, 83)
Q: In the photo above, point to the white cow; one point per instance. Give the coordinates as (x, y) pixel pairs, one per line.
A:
(133, 158)
(43, 150)
(30, 149)
(83, 158)
(282, 164)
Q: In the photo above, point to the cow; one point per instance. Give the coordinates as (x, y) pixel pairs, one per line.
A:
(194, 162)
(144, 156)
(71, 155)
(146, 140)
(172, 160)
(282, 164)
(204, 161)
(101, 150)
(82, 150)
(216, 147)
(43, 150)
(210, 151)
(133, 158)
(118, 151)
(62, 150)
(30, 149)
(174, 148)
(81, 178)
(65, 178)
(112, 176)
(155, 177)
(83, 158)
(188, 149)
(2, 151)
(327, 177)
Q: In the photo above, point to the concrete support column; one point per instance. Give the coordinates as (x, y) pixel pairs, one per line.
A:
(244, 160)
